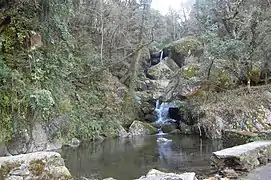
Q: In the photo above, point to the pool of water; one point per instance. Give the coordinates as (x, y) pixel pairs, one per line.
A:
(130, 158)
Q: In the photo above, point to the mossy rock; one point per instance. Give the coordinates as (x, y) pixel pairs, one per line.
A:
(183, 48)
(160, 71)
(236, 137)
(7, 168)
(220, 78)
(191, 70)
(36, 167)
(140, 128)
(254, 73)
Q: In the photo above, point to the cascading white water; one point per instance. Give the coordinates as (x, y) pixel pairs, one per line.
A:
(161, 55)
(162, 112)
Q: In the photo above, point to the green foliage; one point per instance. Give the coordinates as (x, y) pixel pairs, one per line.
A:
(41, 100)
(190, 71)
(4, 71)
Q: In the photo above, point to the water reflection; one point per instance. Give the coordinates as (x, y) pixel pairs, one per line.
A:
(126, 159)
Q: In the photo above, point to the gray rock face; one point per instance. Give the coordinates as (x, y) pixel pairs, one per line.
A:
(122, 132)
(37, 140)
(39, 165)
(158, 175)
(244, 157)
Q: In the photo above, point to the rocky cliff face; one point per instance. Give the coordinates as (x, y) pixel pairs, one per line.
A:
(214, 96)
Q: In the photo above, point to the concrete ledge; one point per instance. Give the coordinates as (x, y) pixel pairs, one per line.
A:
(243, 157)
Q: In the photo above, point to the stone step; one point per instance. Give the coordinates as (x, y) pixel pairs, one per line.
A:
(243, 157)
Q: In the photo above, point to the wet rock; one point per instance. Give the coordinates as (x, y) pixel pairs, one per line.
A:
(147, 108)
(39, 165)
(150, 118)
(138, 128)
(163, 140)
(243, 157)
(75, 142)
(167, 128)
(158, 175)
(173, 112)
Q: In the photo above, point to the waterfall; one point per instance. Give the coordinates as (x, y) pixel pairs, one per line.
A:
(161, 55)
(162, 112)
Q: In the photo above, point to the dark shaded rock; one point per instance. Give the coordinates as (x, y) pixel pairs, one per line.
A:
(173, 113)
(235, 137)
(186, 129)
(167, 128)
(150, 118)
(175, 131)
(229, 173)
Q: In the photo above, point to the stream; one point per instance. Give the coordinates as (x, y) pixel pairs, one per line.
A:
(130, 158)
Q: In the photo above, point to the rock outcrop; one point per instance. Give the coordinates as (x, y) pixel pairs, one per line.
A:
(39, 165)
(243, 157)
(138, 128)
(158, 175)
(42, 138)
(160, 71)
(180, 49)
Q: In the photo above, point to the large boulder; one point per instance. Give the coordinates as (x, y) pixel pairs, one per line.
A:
(182, 88)
(39, 165)
(158, 175)
(221, 78)
(171, 64)
(42, 138)
(160, 71)
(180, 49)
(243, 157)
(139, 128)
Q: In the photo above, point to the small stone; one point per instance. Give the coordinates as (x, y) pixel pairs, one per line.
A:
(75, 142)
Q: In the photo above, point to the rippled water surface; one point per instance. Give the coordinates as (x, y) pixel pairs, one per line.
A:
(130, 158)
